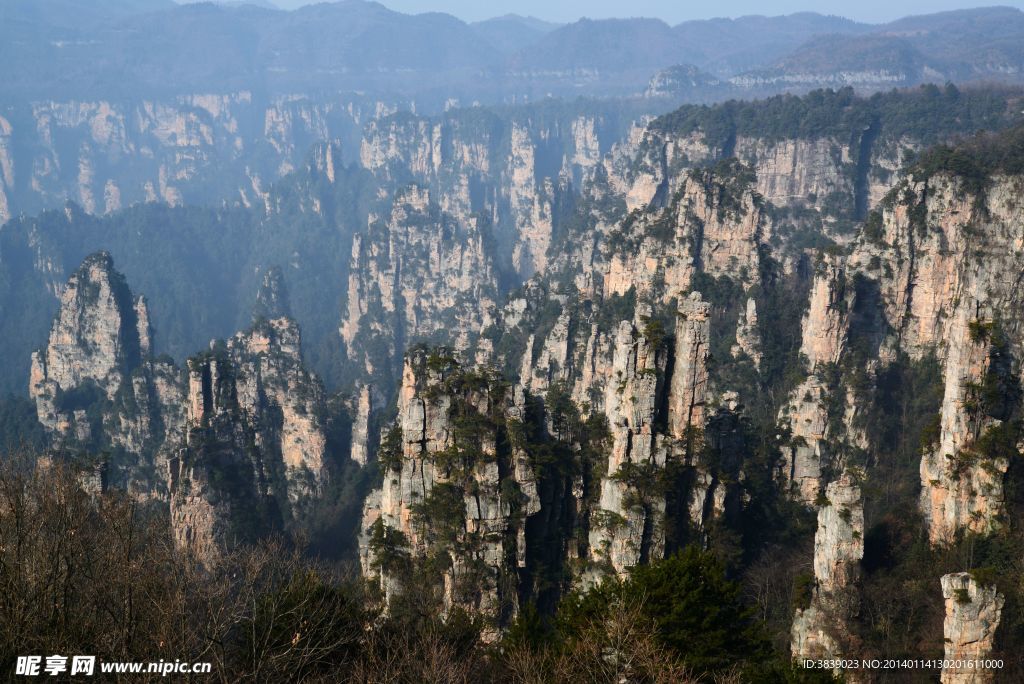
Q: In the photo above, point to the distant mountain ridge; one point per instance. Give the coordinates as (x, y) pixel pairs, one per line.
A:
(119, 48)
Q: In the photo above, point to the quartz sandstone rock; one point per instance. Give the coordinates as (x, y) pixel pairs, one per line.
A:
(191, 148)
(973, 612)
(689, 383)
(415, 276)
(442, 505)
(748, 338)
(99, 350)
(824, 329)
(360, 451)
(244, 425)
(819, 631)
(630, 524)
(946, 283)
(710, 228)
(254, 454)
(95, 336)
(794, 170)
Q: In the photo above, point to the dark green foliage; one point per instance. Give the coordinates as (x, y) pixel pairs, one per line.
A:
(727, 181)
(390, 452)
(803, 590)
(696, 611)
(781, 303)
(616, 309)
(902, 414)
(390, 549)
(798, 230)
(873, 227)
(441, 515)
(927, 114)
(975, 160)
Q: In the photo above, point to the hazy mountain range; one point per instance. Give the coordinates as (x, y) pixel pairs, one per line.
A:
(115, 48)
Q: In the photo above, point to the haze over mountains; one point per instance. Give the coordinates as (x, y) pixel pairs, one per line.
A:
(117, 48)
(487, 316)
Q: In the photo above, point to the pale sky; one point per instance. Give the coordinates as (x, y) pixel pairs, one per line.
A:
(671, 11)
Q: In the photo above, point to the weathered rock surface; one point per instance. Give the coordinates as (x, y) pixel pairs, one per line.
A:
(237, 443)
(973, 612)
(96, 385)
(447, 491)
(630, 523)
(946, 289)
(418, 275)
(714, 226)
(821, 629)
(824, 329)
(190, 149)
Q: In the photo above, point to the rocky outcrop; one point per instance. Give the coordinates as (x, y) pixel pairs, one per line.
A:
(95, 337)
(820, 630)
(219, 486)
(748, 337)
(680, 81)
(713, 226)
(689, 383)
(416, 276)
(530, 204)
(939, 256)
(515, 169)
(798, 170)
(96, 384)
(365, 405)
(961, 479)
(448, 493)
(973, 612)
(629, 526)
(824, 329)
(197, 148)
(237, 443)
(271, 381)
(254, 454)
(6, 170)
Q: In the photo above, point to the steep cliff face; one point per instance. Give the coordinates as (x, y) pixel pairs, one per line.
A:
(654, 417)
(714, 226)
(824, 329)
(973, 612)
(821, 630)
(95, 384)
(6, 170)
(237, 443)
(629, 526)
(798, 169)
(453, 492)
(366, 402)
(254, 455)
(416, 275)
(791, 172)
(940, 256)
(600, 510)
(516, 170)
(828, 151)
(96, 335)
(195, 148)
(679, 297)
(269, 359)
